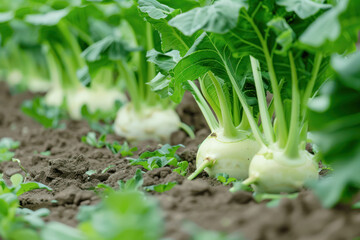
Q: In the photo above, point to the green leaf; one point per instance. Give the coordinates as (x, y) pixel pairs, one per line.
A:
(224, 178)
(16, 179)
(46, 153)
(162, 157)
(335, 122)
(161, 187)
(356, 205)
(336, 30)
(49, 117)
(132, 184)
(107, 168)
(171, 38)
(285, 35)
(239, 186)
(8, 143)
(59, 231)
(90, 139)
(6, 16)
(218, 18)
(165, 61)
(182, 168)
(28, 186)
(154, 9)
(90, 172)
(303, 8)
(160, 85)
(5, 155)
(48, 19)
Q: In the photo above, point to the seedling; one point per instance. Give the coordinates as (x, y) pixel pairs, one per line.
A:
(224, 178)
(162, 157)
(6, 144)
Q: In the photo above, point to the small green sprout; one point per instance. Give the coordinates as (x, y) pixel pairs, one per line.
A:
(162, 157)
(224, 178)
(6, 144)
(161, 187)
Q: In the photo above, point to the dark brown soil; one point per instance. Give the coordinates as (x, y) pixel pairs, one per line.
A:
(203, 201)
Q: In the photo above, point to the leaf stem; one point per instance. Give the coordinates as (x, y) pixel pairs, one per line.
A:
(310, 85)
(229, 128)
(188, 130)
(206, 163)
(150, 66)
(292, 146)
(205, 109)
(131, 84)
(280, 115)
(211, 102)
(254, 127)
(264, 113)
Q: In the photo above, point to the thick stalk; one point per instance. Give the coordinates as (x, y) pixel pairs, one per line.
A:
(131, 85)
(73, 44)
(292, 146)
(103, 78)
(229, 128)
(71, 80)
(205, 109)
(254, 127)
(279, 109)
(53, 66)
(236, 109)
(244, 124)
(264, 113)
(150, 66)
(310, 85)
(213, 105)
(206, 163)
(188, 130)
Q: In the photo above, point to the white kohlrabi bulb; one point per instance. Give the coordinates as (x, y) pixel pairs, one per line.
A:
(75, 100)
(152, 123)
(104, 99)
(14, 77)
(55, 96)
(274, 172)
(39, 85)
(95, 99)
(229, 156)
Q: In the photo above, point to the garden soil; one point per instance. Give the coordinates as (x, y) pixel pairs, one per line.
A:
(203, 201)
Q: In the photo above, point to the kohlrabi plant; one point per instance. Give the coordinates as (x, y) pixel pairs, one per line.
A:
(209, 60)
(22, 58)
(15, 222)
(146, 116)
(249, 47)
(7, 144)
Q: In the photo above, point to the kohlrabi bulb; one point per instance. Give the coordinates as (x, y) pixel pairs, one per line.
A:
(229, 156)
(151, 123)
(14, 78)
(55, 96)
(95, 99)
(38, 85)
(104, 99)
(275, 172)
(75, 100)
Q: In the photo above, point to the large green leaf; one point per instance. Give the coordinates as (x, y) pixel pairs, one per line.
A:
(48, 19)
(335, 124)
(336, 30)
(219, 17)
(155, 9)
(303, 8)
(171, 38)
(165, 61)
